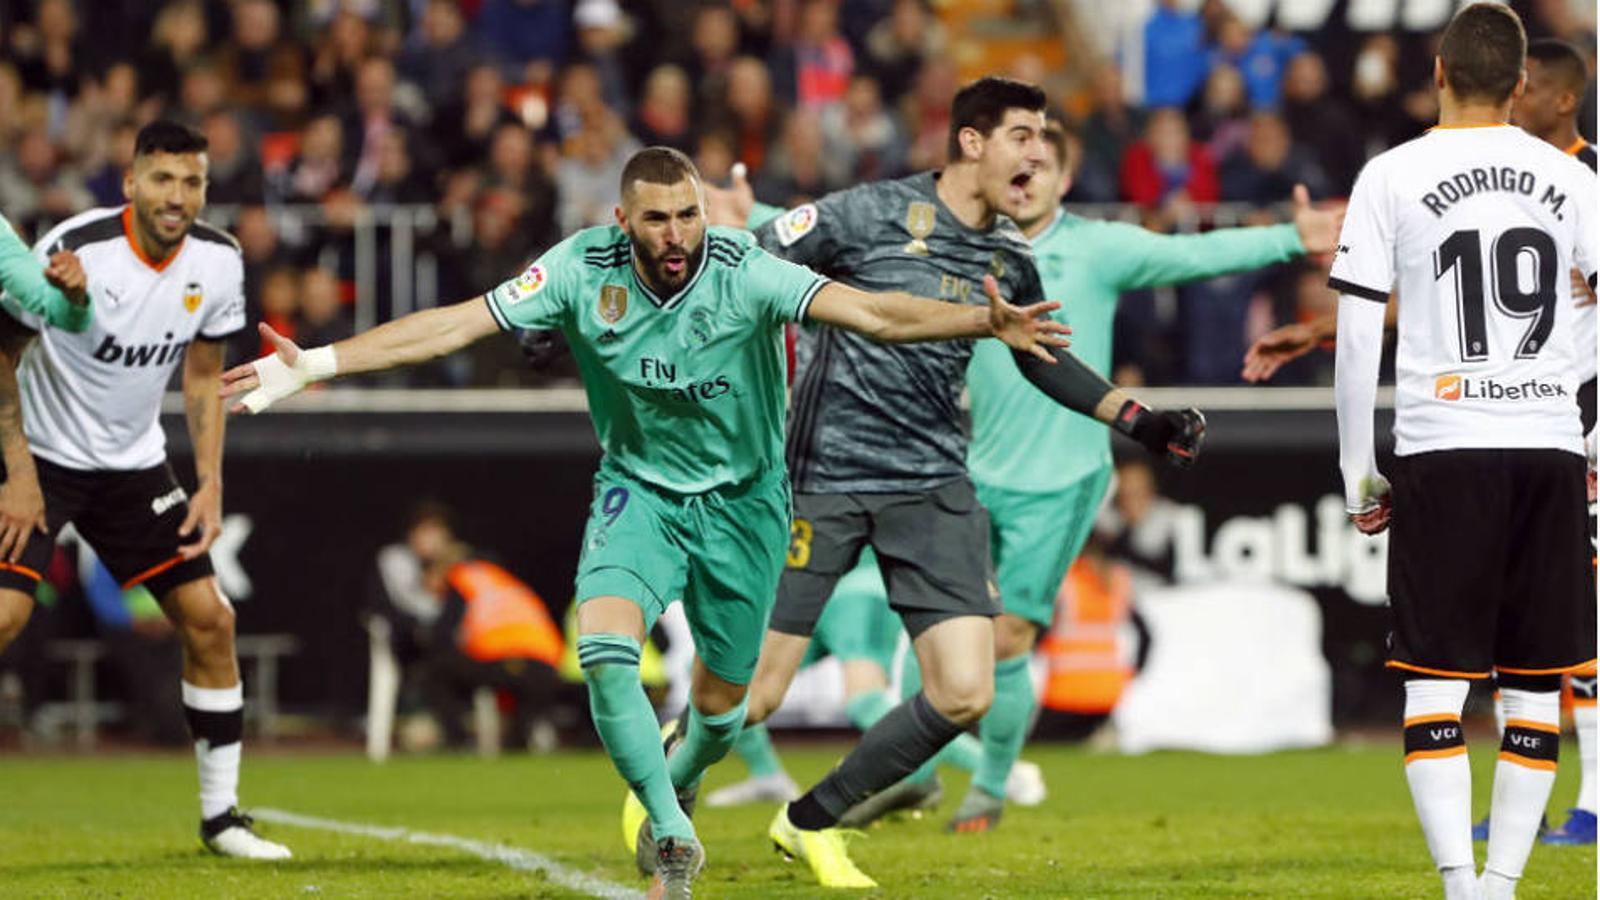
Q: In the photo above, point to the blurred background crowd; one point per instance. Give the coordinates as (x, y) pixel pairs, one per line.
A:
(374, 156)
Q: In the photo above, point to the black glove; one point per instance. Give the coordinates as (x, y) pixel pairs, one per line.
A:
(542, 349)
(1176, 435)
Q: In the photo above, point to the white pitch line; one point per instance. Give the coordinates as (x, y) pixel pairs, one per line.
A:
(514, 857)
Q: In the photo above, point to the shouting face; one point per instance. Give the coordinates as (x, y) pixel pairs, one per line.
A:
(666, 225)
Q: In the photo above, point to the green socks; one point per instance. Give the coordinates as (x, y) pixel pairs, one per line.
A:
(627, 725)
(864, 710)
(754, 746)
(705, 740)
(1004, 729)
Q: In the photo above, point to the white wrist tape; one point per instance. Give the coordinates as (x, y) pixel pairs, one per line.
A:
(279, 380)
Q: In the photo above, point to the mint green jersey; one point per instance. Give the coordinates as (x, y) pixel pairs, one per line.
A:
(28, 292)
(686, 392)
(1023, 440)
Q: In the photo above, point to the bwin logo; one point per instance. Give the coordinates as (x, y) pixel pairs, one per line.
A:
(168, 500)
(139, 355)
(1449, 733)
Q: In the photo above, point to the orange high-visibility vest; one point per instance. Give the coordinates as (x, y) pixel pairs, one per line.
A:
(1083, 649)
(505, 619)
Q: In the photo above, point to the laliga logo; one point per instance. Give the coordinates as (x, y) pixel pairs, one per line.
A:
(1447, 387)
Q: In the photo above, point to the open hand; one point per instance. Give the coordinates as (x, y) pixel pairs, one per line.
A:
(205, 514)
(1025, 328)
(1318, 228)
(21, 511)
(730, 206)
(268, 379)
(1276, 348)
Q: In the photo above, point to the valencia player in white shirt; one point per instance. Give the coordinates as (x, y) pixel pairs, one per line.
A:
(1475, 227)
(82, 441)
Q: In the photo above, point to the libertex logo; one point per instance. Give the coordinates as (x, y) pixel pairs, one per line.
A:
(1453, 388)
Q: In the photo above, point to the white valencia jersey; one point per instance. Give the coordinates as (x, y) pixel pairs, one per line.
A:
(1476, 230)
(92, 401)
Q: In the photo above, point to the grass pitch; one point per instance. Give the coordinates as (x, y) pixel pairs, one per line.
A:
(1328, 823)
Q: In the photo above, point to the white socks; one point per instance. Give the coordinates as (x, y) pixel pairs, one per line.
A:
(1439, 775)
(1583, 721)
(216, 721)
(1523, 777)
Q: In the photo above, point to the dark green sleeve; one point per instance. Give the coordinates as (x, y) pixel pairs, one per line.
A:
(27, 290)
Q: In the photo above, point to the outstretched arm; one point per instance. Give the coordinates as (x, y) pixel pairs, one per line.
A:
(1174, 434)
(900, 318)
(21, 500)
(1286, 343)
(406, 341)
(55, 292)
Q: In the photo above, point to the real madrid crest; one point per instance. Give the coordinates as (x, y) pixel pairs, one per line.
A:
(920, 217)
(997, 265)
(613, 303)
(192, 296)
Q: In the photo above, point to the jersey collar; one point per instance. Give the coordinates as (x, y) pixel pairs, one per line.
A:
(133, 243)
(672, 301)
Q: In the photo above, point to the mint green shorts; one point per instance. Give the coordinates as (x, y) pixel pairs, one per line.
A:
(721, 552)
(1035, 537)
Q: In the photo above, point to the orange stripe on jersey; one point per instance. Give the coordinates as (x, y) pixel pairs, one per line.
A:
(1583, 701)
(1424, 720)
(1442, 673)
(152, 572)
(1415, 755)
(1577, 145)
(1546, 727)
(1546, 765)
(13, 567)
(133, 241)
(1574, 669)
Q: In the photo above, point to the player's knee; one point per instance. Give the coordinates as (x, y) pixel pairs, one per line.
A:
(13, 617)
(962, 701)
(763, 701)
(1013, 637)
(210, 627)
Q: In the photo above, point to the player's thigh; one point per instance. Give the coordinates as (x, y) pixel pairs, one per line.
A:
(825, 541)
(132, 523)
(737, 543)
(1035, 537)
(1447, 552)
(198, 606)
(933, 549)
(628, 554)
(1547, 621)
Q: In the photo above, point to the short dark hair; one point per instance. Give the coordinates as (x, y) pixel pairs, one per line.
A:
(982, 105)
(1482, 50)
(657, 165)
(1563, 60)
(167, 136)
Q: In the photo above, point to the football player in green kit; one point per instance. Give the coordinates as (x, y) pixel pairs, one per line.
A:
(677, 330)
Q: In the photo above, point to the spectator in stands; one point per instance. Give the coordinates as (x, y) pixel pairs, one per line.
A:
(35, 188)
(1379, 95)
(323, 315)
(465, 128)
(177, 40)
(235, 174)
(374, 119)
(317, 168)
(1260, 56)
(1137, 527)
(580, 100)
(587, 175)
(861, 140)
(441, 54)
(280, 308)
(519, 32)
(492, 631)
(925, 115)
(898, 45)
(663, 115)
(794, 172)
(713, 156)
(1165, 166)
(1174, 55)
(602, 32)
(1321, 122)
(749, 112)
(203, 92)
(1221, 118)
(815, 70)
(52, 63)
(398, 181)
(397, 595)
(338, 56)
(1270, 165)
(11, 105)
(105, 184)
(257, 52)
(513, 166)
(1107, 132)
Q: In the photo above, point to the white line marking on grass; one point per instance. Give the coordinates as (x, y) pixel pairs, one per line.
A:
(514, 857)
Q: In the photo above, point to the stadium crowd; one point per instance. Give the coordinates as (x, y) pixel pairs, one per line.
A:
(510, 120)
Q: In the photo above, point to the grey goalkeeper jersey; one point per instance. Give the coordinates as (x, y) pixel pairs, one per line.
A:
(875, 418)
